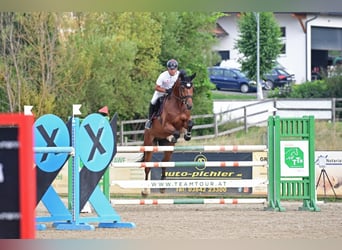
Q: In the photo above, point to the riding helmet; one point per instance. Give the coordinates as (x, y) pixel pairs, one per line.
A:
(172, 64)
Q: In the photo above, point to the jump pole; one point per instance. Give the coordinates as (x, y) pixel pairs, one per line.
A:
(187, 201)
(210, 148)
(190, 164)
(189, 183)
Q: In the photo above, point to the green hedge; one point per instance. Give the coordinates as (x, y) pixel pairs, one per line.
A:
(327, 88)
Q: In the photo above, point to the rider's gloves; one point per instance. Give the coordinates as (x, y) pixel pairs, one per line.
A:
(168, 91)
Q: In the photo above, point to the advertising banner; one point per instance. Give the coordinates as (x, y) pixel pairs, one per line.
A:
(328, 172)
(17, 177)
(194, 174)
(9, 183)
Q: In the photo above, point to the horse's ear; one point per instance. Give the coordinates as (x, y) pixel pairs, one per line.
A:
(182, 74)
(193, 76)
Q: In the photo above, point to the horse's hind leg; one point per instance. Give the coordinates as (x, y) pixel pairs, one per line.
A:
(163, 177)
(167, 157)
(187, 135)
(147, 157)
(145, 192)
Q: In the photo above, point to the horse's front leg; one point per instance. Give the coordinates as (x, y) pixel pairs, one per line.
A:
(174, 134)
(166, 158)
(187, 135)
(174, 137)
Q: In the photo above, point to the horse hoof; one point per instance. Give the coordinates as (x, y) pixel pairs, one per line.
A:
(172, 139)
(145, 193)
(187, 138)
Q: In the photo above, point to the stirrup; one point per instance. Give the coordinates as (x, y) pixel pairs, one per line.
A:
(148, 124)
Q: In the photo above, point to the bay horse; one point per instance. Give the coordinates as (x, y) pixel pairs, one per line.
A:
(174, 119)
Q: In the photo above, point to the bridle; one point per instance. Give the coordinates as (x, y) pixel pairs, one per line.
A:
(184, 98)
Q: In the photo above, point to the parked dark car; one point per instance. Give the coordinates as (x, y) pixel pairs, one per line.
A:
(231, 79)
(278, 77)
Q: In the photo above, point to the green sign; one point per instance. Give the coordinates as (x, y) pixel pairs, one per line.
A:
(294, 157)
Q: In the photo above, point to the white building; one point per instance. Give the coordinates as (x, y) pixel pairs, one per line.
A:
(309, 40)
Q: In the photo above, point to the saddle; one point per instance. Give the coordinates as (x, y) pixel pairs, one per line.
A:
(159, 107)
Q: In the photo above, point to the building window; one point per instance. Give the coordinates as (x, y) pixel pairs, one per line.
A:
(224, 54)
(283, 40)
(283, 49)
(283, 32)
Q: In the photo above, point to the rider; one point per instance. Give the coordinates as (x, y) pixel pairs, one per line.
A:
(163, 87)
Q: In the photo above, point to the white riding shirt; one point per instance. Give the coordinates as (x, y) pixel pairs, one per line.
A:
(166, 81)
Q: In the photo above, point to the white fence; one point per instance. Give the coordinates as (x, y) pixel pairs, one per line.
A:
(230, 116)
(320, 108)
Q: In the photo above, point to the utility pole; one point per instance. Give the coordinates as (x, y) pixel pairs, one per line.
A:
(259, 87)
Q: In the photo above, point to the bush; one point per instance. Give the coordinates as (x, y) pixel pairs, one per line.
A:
(330, 87)
(334, 85)
(280, 92)
(315, 89)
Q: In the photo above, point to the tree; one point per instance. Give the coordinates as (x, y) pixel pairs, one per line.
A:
(53, 60)
(10, 44)
(269, 40)
(114, 59)
(29, 55)
(188, 37)
(111, 59)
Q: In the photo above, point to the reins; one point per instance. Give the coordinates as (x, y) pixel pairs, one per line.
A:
(181, 97)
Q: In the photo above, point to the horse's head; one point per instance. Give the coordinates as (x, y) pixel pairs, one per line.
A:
(184, 88)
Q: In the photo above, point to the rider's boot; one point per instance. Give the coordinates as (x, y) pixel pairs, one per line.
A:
(148, 123)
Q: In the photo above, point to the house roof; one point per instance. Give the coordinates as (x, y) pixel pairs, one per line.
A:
(220, 31)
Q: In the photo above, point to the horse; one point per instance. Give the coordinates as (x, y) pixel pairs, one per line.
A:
(173, 120)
